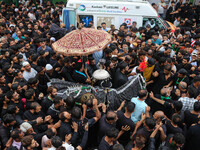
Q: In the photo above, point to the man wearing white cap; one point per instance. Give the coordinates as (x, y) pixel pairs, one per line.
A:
(28, 72)
(49, 71)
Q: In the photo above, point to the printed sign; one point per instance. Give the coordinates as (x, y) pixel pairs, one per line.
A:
(127, 21)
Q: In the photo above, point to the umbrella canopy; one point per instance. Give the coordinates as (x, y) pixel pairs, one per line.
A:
(82, 42)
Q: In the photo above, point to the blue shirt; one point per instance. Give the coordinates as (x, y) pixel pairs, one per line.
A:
(48, 49)
(105, 29)
(158, 41)
(140, 107)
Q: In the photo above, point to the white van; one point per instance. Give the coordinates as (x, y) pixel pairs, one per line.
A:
(113, 12)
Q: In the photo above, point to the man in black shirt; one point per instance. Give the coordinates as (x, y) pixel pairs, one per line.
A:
(67, 70)
(181, 76)
(58, 66)
(8, 71)
(172, 126)
(193, 137)
(15, 100)
(191, 117)
(109, 140)
(121, 75)
(48, 100)
(33, 114)
(174, 142)
(54, 110)
(106, 122)
(43, 80)
(67, 128)
(8, 122)
(124, 119)
(196, 84)
(79, 76)
(3, 84)
(185, 64)
(146, 130)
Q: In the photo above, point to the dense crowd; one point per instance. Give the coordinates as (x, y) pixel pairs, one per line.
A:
(164, 116)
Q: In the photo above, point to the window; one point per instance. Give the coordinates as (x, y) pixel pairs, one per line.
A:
(152, 22)
(86, 19)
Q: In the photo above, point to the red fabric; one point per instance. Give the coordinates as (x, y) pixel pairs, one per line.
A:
(24, 102)
(143, 65)
(82, 42)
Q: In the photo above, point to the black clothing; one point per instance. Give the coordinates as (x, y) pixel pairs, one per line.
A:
(119, 79)
(177, 80)
(57, 74)
(4, 136)
(190, 118)
(67, 74)
(146, 133)
(155, 106)
(9, 78)
(186, 67)
(161, 82)
(65, 128)
(91, 69)
(53, 112)
(5, 88)
(34, 66)
(46, 103)
(42, 62)
(79, 77)
(20, 105)
(193, 138)
(168, 144)
(171, 129)
(42, 85)
(103, 127)
(104, 145)
(31, 117)
(123, 121)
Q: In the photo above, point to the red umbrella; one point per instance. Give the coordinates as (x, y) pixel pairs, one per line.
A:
(82, 42)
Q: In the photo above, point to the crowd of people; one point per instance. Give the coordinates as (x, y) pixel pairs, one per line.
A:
(164, 116)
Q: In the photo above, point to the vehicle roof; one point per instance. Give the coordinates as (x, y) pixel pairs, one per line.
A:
(135, 7)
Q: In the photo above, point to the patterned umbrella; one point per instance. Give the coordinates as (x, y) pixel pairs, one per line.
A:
(82, 42)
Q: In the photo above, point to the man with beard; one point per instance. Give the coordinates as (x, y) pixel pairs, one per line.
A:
(5, 58)
(28, 72)
(180, 76)
(43, 80)
(91, 67)
(21, 49)
(48, 100)
(106, 122)
(111, 69)
(3, 84)
(67, 70)
(33, 114)
(15, 100)
(121, 75)
(18, 77)
(66, 127)
(108, 54)
(8, 122)
(54, 110)
(185, 64)
(17, 136)
(8, 71)
(15, 61)
(29, 143)
(180, 91)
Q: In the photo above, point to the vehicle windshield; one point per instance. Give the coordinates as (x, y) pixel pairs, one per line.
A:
(164, 22)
